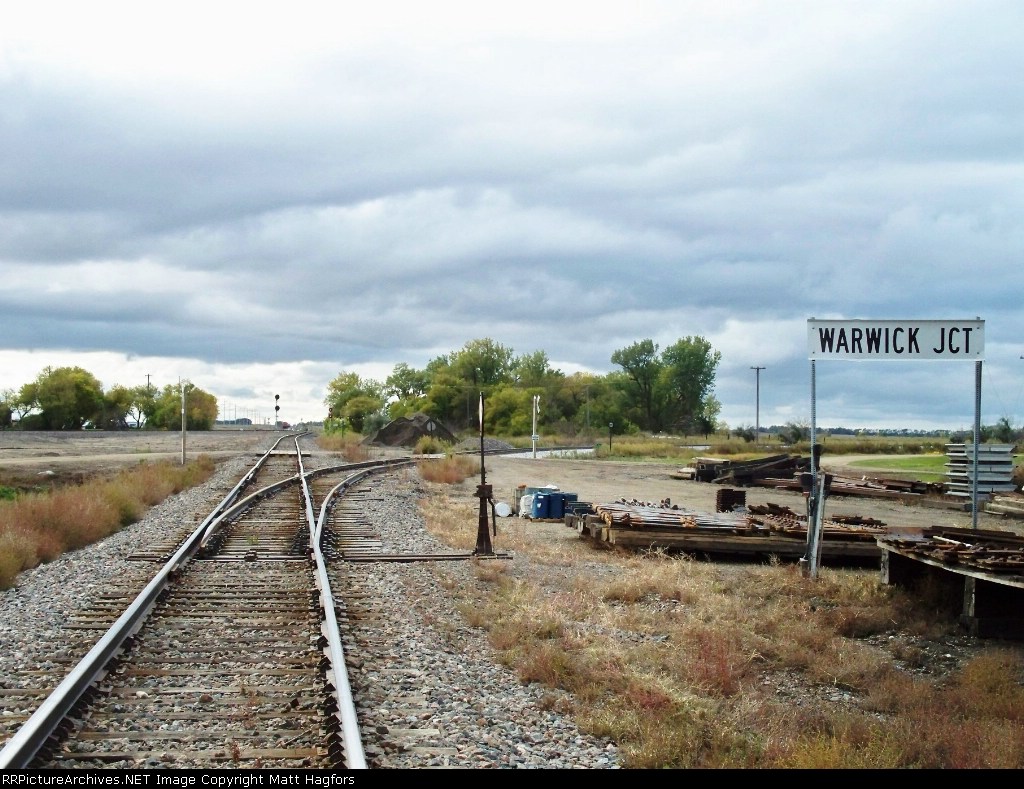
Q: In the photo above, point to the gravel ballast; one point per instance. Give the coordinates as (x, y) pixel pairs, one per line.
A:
(486, 717)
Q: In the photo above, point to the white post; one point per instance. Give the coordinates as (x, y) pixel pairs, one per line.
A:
(534, 436)
(182, 385)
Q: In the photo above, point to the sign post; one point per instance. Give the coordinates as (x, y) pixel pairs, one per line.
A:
(893, 340)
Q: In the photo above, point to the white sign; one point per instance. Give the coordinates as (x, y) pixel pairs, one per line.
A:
(896, 340)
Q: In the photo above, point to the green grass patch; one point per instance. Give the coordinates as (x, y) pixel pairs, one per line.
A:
(927, 468)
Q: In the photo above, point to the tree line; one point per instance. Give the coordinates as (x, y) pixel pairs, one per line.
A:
(72, 398)
(654, 390)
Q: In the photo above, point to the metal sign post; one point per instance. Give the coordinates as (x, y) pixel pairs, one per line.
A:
(533, 436)
(891, 340)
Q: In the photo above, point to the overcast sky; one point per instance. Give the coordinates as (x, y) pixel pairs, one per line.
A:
(260, 196)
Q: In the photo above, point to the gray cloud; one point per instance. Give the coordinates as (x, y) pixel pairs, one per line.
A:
(300, 195)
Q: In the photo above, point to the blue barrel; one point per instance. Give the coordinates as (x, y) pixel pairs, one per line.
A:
(540, 505)
(556, 505)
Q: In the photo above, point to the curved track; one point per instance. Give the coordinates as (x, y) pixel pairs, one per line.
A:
(232, 654)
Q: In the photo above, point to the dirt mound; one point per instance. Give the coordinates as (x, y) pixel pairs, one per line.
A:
(406, 431)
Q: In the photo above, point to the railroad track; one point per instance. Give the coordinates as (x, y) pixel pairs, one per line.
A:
(230, 657)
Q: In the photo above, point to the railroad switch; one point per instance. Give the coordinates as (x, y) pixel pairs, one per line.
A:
(483, 533)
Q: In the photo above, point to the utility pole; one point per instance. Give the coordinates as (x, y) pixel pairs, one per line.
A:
(757, 405)
(182, 384)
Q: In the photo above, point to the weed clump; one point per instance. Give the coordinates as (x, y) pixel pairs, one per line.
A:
(39, 526)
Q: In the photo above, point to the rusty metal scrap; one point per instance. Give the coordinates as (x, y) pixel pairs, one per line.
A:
(758, 520)
(997, 552)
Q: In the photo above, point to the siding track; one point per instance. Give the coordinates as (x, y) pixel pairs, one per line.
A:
(230, 657)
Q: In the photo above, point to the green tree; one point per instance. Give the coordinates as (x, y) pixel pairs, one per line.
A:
(457, 379)
(508, 411)
(68, 397)
(354, 398)
(532, 369)
(794, 433)
(746, 432)
(357, 410)
(446, 397)
(1003, 431)
(114, 412)
(482, 363)
(686, 381)
(707, 420)
(642, 366)
(140, 403)
(26, 400)
(200, 408)
(127, 406)
(406, 383)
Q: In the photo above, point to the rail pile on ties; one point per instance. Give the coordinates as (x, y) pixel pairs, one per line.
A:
(985, 550)
(642, 515)
(755, 531)
(759, 519)
(782, 472)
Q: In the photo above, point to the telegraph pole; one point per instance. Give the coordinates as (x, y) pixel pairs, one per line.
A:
(757, 405)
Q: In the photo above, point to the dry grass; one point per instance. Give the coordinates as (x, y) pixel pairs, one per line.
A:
(450, 469)
(686, 663)
(349, 446)
(38, 527)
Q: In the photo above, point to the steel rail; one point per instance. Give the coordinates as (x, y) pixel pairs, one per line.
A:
(27, 741)
(337, 674)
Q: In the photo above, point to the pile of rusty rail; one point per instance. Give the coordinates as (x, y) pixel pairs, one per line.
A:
(784, 472)
(639, 515)
(874, 487)
(782, 520)
(1009, 505)
(646, 526)
(752, 472)
(980, 549)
